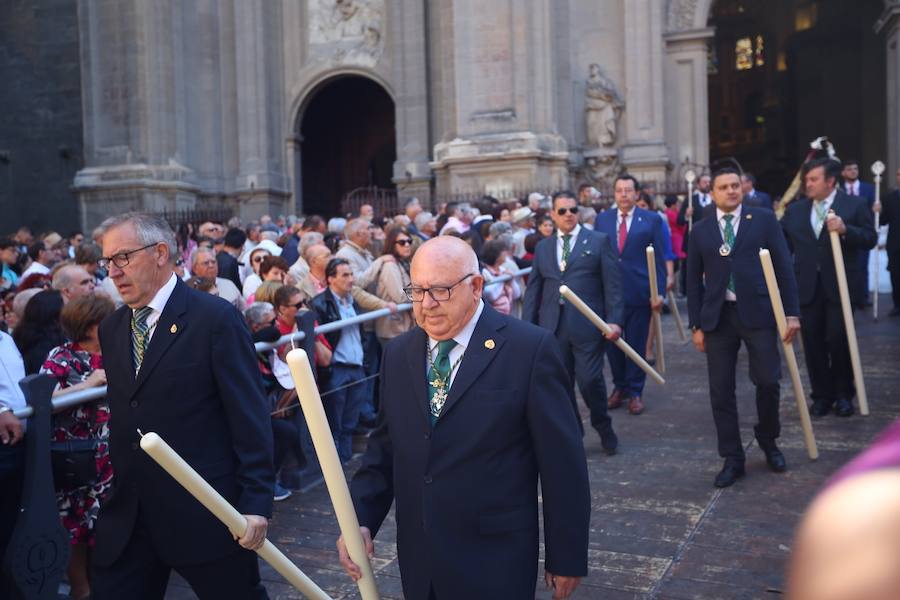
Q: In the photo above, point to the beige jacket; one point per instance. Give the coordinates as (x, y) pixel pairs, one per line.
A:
(391, 279)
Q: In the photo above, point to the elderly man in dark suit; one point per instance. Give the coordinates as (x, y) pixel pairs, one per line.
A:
(728, 303)
(180, 363)
(890, 215)
(807, 226)
(476, 408)
(586, 261)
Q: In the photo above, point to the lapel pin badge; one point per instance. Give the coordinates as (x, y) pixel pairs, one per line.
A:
(173, 328)
(489, 344)
(749, 217)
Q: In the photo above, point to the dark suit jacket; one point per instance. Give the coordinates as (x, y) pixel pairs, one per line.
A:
(709, 271)
(890, 215)
(813, 255)
(866, 190)
(199, 388)
(592, 273)
(758, 200)
(466, 490)
(699, 214)
(228, 268)
(646, 229)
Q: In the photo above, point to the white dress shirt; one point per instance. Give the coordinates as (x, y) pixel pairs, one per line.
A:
(813, 217)
(12, 371)
(158, 304)
(704, 199)
(852, 187)
(34, 267)
(559, 245)
(735, 223)
(462, 340)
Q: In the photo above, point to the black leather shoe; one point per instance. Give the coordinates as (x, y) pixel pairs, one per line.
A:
(820, 408)
(609, 441)
(730, 473)
(774, 457)
(843, 408)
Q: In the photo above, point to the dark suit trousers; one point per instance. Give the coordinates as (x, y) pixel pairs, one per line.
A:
(722, 346)
(139, 574)
(584, 363)
(895, 279)
(863, 277)
(826, 349)
(12, 476)
(627, 376)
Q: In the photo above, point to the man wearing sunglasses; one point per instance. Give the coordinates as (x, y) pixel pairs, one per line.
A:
(181, 363)
(585, 261)
(476, 407)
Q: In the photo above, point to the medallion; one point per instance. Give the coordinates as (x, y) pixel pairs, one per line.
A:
(439, 397)
(724, 250)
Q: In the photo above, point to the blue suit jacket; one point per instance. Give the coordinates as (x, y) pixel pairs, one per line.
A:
(592, 274)
(646, 230)
(866, 190)
(199, 388)
(709, 271)
(466, 490)
(759, 200)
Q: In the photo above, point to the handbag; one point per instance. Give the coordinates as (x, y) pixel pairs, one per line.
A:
(74, 463)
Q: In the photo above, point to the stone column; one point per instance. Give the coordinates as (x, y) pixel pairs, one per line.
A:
(644, 152)
(889, 24)
(687, 98)
(412, 173)
(498, 125)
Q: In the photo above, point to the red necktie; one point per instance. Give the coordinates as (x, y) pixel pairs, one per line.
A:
(623, 232)
(852, 189)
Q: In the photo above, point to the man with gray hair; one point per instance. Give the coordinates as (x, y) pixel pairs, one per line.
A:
(72, 281)
(426, 226)
(300, 268)
(179, 362)
(204, 264)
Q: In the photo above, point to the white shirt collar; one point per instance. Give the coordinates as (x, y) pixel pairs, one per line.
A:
(736, 212)
(464, 336)
(162, 295)
(573, 233)
(829, 199)
(628, 214)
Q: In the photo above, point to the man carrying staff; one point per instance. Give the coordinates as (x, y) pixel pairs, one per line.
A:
(806, 225)
(476, 407)
(728, 304)
(180, 363)
(585, 261)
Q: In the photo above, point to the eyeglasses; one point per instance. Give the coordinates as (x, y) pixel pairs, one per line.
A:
(121, 259)
(258, 259)
(572, 210)
(438, 294)
(404, 242)
(179, 262)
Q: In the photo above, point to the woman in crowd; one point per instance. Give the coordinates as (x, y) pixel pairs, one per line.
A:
(266, 292)
(500, 296)
(677, 232)
(39, 332)
(273, 268)
(77, 365)
(253, 280)
(545, 226)
(389, 275)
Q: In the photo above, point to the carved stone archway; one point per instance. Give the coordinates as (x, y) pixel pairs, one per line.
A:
(685, 15)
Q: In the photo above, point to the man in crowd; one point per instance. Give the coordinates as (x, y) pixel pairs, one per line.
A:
(726, 309)
(426, 226)
(73, 281)
(227, 260)
(314, 283)
(204, 264)
(633, 229)
(43, 256)
(367, 213)
(9, 256)
(807, 223)
(752, 196)
(468, 527)
(586, 262)
(412, 209)
(854, 187)
(523, 224)
(179, 362)
(695, 210)
(890, 214)
(24, 238)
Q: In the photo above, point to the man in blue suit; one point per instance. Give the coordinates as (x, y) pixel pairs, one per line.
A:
(752, 196)
(180, 363)
(728, 303)
(633, 229)
(476, 407)
(585, 261)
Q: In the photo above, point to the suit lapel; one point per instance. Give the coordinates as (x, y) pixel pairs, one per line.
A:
(415, 360)
(169, 326)
(743, 228)
(581, 244)
(477, 356)
(550, 255)
(120, 351)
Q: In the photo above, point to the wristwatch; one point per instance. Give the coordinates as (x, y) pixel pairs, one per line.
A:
(5, 409)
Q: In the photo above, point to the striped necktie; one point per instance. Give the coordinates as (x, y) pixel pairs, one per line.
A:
(139, 330)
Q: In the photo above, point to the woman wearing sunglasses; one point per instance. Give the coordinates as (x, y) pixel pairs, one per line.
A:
(387, 277)
(253, 280)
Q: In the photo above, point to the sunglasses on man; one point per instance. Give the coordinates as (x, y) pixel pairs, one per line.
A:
(572, 210)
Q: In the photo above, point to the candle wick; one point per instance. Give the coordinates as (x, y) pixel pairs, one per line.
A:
(140, 433)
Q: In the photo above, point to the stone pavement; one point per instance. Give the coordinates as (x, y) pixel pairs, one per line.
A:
(659, 528)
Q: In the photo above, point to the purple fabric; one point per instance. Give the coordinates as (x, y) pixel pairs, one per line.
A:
(883, 453)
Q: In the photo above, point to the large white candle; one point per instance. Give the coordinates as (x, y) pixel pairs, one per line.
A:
(657, 318)
(314, 413)
(182, 472)
(849, 324)
(791, 358)
(603, 326)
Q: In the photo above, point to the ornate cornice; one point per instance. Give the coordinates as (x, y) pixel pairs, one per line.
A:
(891, 11)
(682, 15)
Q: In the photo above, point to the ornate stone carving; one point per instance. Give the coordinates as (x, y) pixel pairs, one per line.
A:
(602, 108)
(681, 14)
(348, 31)
(601, 165)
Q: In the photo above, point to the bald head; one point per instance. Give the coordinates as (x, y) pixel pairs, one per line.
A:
(73, 281)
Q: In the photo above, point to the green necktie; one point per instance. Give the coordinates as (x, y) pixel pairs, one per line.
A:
(729, 240)
(820, 216)
(567, 248)
(439, 379)
(139, 330)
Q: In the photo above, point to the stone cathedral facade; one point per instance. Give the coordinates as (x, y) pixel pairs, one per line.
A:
(202, 103)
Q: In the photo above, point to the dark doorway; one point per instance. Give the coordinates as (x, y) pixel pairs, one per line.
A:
(348, 141)
(784, 72)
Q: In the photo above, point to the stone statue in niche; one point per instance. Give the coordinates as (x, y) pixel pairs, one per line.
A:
(602, 108)
(349, 31)
(602, 167)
